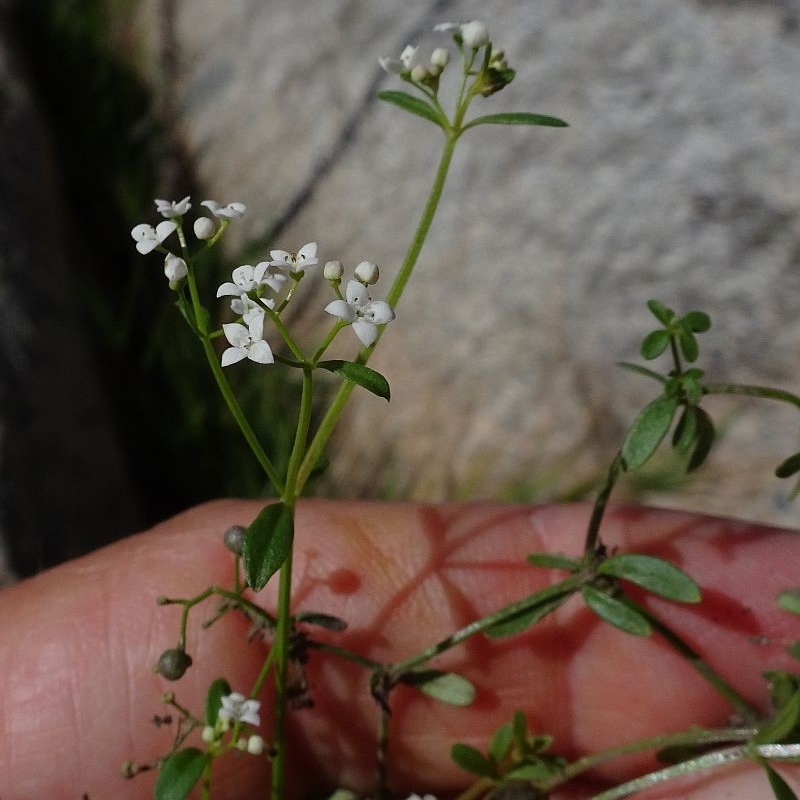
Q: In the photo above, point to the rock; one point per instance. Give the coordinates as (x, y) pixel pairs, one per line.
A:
(64, 487)
(678, 179)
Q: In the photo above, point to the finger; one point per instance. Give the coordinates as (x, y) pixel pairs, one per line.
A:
(403, 576)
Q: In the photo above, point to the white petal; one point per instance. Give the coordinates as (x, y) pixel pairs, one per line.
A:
(236, 334)
(341, 309)
(229, 290)
(261, 353)
(378, 312)
(164, 229)
(357, 294)
(447, 26)
(407, 56)
(394, 66)
(143, 231)
(243, 276)
(146, 246)
(366, 331)
(255, 326)
(232, 355)
(307, 251)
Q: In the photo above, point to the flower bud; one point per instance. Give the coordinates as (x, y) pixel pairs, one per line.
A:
(233, 538)
(175, 269)
(440, 57)
(333, 271)
(255, 745)
(204, 228)
(367, 273)
(474, 34)
(173, 664)
(209, 734)
(419, 73)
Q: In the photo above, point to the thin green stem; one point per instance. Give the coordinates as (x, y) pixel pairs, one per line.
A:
(747, 390)
(339, 402)
(600, 505)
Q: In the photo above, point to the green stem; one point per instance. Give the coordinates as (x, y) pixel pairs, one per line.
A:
(339, 402)
(745, 709)
(688, 738)
(600, 506)
(764, 392)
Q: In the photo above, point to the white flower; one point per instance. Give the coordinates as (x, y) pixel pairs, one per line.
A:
(306, 256)
(230, 211)
(204, 228)
(246, 342)
(147, 237)
(173, 208)
(397, 66)
(363, 313)
(249, 309)
(175, 268)
(474, 34)
(246, 278)
(236, 707)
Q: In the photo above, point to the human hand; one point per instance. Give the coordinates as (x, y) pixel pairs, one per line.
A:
(78, 643)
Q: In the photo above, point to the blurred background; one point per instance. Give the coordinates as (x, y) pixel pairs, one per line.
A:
(679, 179)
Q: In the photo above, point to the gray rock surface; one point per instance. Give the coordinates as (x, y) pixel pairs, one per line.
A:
(679, 178)
(64, 487)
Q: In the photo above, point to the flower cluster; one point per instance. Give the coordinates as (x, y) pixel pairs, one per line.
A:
(254, 291)
(236, 709)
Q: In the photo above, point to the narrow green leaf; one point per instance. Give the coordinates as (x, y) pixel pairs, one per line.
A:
(179, 773)
(789, 600)
(647, 431)
(517, 118)
(218, 689)
(327, 621)
(471, 760)
(522, 620)
(538, 770)
(696, 321)
(780, 788)
(704, 439)
(267, 544)
(794, 650)
(413, 105)
(789, 467)
(447, 687)
(501, 742)
(364, 376)
(640, 370)
(785, 722)
(688, 345)
(654, 344)
(684, 436)
(615, 612)
(554, 561)
(654, 574)
(663, 314)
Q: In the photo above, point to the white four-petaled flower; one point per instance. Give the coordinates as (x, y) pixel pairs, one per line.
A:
(173, 208)
(235, 707)
(147, 237)
(246, 342)
(229, 211)
(362, 312)
(474, 34)
(306, 256)
(246, 278)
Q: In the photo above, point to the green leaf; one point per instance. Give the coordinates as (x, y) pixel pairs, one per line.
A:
(654, 574)
(218, 689)
(517, 118)
(780, 788)
(785, 722)
(364, 376)
(696, 321)
(179, 773)
(327, 621)
(524, 619)
(538, 770)
(654, 344)
(413, 105)
(704, 439)
(447, 687)
(647, 431)
(472, 760)
(615, 612)
(639, 369)
(684, 436)
(688, 345)
(789, 467)
(794, 650)
(501, 742)
(267, 544)
(663, 314)
(554, 561)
